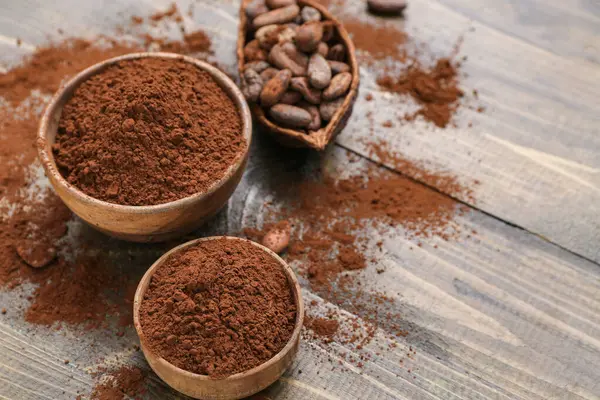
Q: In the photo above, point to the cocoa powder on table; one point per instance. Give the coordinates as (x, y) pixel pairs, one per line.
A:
(218, 308)
(147, 132)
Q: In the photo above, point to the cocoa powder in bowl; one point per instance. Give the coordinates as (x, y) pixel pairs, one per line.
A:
(218, 307)
(148, 131)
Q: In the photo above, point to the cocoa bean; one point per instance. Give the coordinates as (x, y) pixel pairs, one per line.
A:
(315, 124)
(308, 36)
(309, 93)
(258, 66)
(277, 16)
(278, 238)
(255, 8)
(291, 116)
(253, 52)
(337, 67)
(386, 6)
(329, 108)
(338, 87)
(274, 89)
(323, 49)
(269, 35)
(252, 84)
(319, 72)
(290, 97)
(268, 73)
(309, 14)
(280, 3)
(281, 60)
(329, 30)
(337, 53)
(297, 56)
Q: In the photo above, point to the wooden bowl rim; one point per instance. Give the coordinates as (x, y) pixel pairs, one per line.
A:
(319, 139)
(294, 285)
(59, 99)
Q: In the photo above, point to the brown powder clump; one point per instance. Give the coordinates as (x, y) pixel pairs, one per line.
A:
(147, 132)
(218, 308)
(322, 327)
(126, 381)
(379, 41)
(435, 90)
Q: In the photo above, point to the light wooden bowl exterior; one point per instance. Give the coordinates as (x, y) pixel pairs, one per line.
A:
(142, 223)
(235, 386)
(290, 137)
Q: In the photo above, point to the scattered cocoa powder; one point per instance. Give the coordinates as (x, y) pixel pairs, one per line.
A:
(146, 132)
(125, 381)
(218, 308)
(379, 41)
(435, 90)
(322, 326)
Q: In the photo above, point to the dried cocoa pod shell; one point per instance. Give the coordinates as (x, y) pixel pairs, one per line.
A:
(323, 49)
(308, 36)
(253, 52)
(258, 66)
(338, 66)
(338, 87)
(297, 56)
(252, 84)
(280, 3)
(337, 53)
(280, 59)
(255, 8)
(315, 124)
(310, 14)
(277, 16)
(290, 97)
(268, 74)
(310, 94)
(329, 108)
(291, 116)
(274, 89)
(319, 71)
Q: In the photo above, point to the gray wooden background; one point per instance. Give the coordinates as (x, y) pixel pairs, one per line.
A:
(512, 312)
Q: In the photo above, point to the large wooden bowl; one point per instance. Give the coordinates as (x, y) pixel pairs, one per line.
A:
(236, 386)
(143, 223)
(294, 138)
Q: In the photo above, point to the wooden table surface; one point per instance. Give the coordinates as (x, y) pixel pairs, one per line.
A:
(510, 313)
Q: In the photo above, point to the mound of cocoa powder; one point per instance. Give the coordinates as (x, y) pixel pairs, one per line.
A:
(218, 308)
(147, 132)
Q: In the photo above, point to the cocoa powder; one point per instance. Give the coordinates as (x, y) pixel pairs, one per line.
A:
(125, 382)
(148, 131)
(218, 308)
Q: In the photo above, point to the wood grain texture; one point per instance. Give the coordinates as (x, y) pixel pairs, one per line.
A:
(501, 314)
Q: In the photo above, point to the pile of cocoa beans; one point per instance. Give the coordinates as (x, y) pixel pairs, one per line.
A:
(295, 67)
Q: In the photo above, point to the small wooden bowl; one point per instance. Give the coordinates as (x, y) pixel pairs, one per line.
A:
(290, 137)
(142, 223)
(236, 386)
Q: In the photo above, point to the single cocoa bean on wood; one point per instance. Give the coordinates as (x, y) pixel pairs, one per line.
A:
(308, 36)
(280, 59)
(329, 108)
(277, 16)
(290, 97)
(274, 89)
(252, 84)
(319, 72)
(315, 124)
(338, 66)
(310, 94)
(280, 3)
(258, 66)
(268, 73)
(278, 238)
(253, 52)
(338, 87)
(323, 49)
(337, 53)
(255, 8)
(310, 14)
(291, 116)
(297, 56)
(386, 6)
